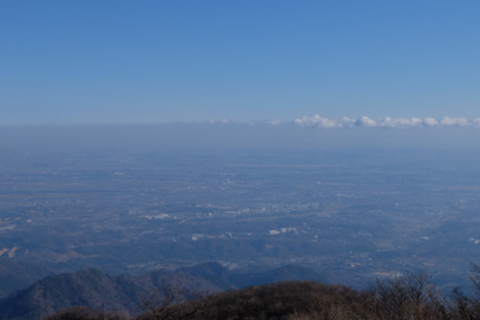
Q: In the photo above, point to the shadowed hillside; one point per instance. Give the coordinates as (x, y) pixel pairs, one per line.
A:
(15, 275)
(225, 279)
(97, 290)
(134, 294)
(411, 296)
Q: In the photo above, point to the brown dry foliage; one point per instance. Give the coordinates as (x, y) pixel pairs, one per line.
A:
(409, 297)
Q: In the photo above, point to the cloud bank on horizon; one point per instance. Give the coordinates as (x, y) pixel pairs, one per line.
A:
(317, 121)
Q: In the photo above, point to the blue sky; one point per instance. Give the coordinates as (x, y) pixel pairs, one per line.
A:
(71, 62)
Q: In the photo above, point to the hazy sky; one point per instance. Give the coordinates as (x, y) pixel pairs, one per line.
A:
(65, 62)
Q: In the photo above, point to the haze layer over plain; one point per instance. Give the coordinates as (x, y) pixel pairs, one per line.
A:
(234, 136)
(351, 203)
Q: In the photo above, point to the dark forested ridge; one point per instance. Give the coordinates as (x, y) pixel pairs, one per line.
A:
(94, 289)
(16, 275)
(403, 298)
(227, 280)
(133, 294)
(210, 291)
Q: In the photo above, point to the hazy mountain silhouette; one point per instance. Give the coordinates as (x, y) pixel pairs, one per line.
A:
(97, 290)
(15, 275)
(225, 279)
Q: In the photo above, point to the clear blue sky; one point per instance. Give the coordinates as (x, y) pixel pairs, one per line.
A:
(64, 62)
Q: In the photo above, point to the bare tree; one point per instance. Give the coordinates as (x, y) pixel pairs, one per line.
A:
(409, 297)
(174, 304)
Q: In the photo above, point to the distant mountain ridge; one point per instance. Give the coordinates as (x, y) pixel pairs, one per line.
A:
(131, 294)
(17, 275)
(225, 279)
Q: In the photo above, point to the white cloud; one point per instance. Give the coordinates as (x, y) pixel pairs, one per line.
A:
(400, 122)
(462, 122)
(222, 121)
(366, 122)
(430, 122)
(317, 122)
(275, 122)
(347, 122)
(321, 122)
